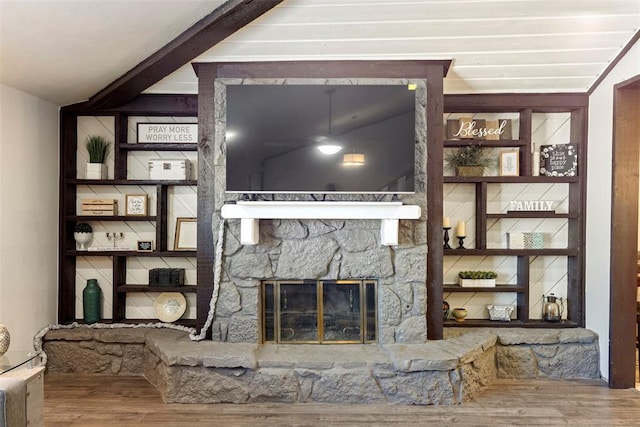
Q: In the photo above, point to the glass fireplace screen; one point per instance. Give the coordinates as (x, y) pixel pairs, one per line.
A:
(319, 311)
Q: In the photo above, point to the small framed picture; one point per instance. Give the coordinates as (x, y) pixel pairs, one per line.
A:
(145, 246)
(136, 205)
(186, 234)
(510, 163)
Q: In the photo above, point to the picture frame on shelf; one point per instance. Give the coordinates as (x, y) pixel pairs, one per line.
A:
(186, 234)
(145, 246)
(136, 205)
(510, 163)
(559, 160)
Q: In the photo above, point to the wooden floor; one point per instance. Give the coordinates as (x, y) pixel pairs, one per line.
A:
(83, 400)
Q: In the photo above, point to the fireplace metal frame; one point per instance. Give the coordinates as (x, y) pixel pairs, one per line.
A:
(319, 311)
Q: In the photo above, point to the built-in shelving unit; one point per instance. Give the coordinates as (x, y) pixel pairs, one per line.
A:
(483, 247)
(524, 106)
(158, 191)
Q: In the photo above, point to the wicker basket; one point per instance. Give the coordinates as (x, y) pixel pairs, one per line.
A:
(470, 171)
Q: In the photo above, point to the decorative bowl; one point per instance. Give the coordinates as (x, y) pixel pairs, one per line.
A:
(170, 306)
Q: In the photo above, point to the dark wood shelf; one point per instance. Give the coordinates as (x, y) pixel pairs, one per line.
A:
(76, 218)
(497, 288)
(486, 323)
(158, 147)
(133, 253)
(531, 214)
(512, 252)
(191, 182)
(511, 179)
(147, 288)
(485, 143)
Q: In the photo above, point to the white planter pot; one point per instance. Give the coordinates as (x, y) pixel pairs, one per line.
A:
(478, 283)
(96, 171)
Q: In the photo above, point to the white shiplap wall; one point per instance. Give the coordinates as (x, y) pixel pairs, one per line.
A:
(548, 273)
(182, 202)
(496, 45)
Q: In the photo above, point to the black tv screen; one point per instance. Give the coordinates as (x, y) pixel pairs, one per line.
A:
(274, 135)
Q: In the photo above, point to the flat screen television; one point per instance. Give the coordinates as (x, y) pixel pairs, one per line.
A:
(274, 133)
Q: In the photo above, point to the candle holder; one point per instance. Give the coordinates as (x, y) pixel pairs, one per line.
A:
(446, 238)
(114, 237)
(461, 242)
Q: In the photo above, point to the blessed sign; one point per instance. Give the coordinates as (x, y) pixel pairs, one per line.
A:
(168, 133)
(468, 128)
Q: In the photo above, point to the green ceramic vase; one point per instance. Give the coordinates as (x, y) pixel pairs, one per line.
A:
(91, 301)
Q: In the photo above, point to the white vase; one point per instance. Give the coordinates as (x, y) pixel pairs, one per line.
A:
(5, 339)
(82, 239)
(96, 171)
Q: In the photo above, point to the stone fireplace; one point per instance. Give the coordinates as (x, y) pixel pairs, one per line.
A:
(323, 249)
(329, 254)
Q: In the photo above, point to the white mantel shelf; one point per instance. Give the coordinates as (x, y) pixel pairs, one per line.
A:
(250, 212)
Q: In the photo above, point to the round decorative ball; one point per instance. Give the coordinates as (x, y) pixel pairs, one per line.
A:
(5, 339)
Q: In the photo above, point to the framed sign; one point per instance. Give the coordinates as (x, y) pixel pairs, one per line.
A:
(510, 163)
(136, 205)
(186, 234)
(145, 246)
(559, 160)
(168, 133)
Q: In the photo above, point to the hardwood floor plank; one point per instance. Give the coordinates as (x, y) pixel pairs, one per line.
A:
(90, 400)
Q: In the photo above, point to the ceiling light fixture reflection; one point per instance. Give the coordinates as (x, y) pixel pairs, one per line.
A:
(353, 159)
(328, 148)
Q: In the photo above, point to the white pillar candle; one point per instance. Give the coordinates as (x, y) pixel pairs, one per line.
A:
(461, 229)
(446, 222)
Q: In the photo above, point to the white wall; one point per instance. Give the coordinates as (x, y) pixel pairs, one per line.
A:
(28, 215)
(599, 164)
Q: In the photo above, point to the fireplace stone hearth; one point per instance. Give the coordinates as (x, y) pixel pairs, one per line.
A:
(436, 372)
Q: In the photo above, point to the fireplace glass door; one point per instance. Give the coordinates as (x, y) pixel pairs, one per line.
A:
(323, 311)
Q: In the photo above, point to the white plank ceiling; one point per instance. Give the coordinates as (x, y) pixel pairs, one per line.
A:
(496, 45)
(65, 51)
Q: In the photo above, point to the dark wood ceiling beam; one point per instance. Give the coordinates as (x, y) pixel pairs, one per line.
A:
(206, 33)
(503, 102)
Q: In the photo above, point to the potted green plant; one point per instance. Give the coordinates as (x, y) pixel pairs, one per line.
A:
(469, 161)
(97, 147)
(477, 279)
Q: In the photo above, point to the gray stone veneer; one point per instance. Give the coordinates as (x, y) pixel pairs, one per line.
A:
(436, 372)
(324, 249)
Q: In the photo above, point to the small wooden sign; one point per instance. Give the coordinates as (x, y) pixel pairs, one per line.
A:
(559, 160)
(531, 205)
(136, 205)
(168, 133)
(145, 246)
(468, 128)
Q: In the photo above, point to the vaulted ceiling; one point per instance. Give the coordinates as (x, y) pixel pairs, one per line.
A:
(67, 51)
